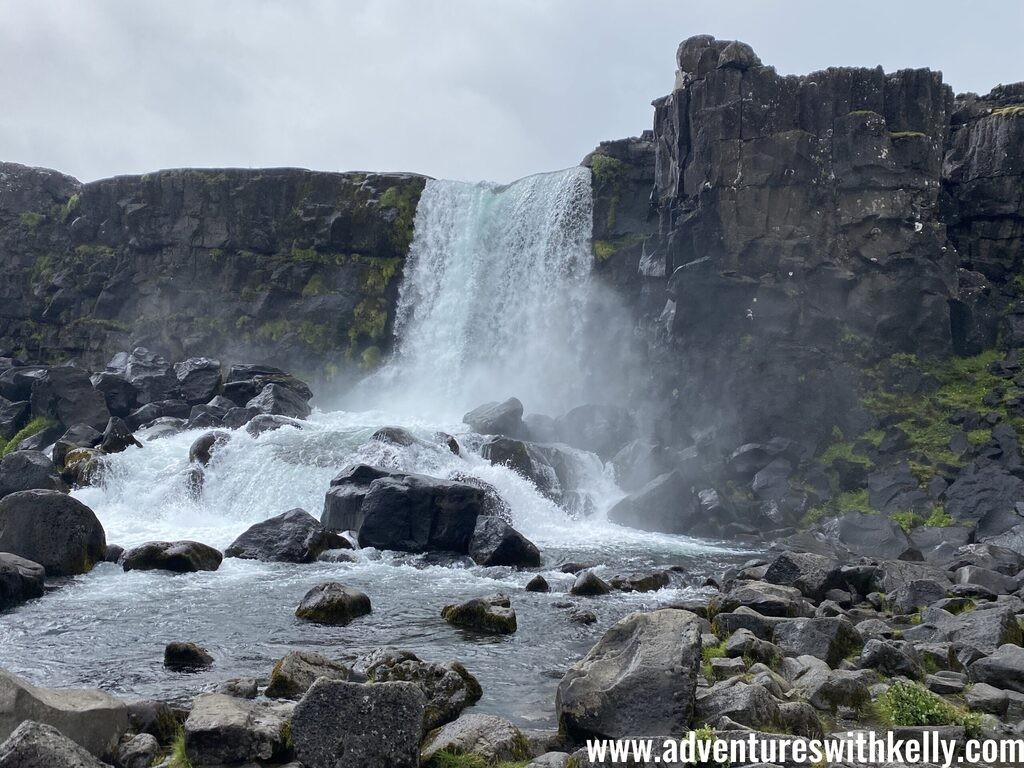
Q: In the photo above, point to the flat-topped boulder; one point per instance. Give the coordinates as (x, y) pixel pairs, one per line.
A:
(91, 718)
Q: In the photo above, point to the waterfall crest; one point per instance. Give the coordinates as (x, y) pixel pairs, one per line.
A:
(492, 301)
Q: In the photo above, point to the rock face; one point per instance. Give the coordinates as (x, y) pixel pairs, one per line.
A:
(224, 729)
(52, 529)
(491, 739)
(373, 726)
(294, 536)
(34, 745)
(269, 254)
(649, 657)
(92, 719)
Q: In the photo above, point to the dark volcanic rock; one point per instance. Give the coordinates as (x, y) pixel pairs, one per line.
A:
(601, 429)
(120, 395)
(491, 615)
(871, 535)
(277, 400)
(186, 656)
(26, 471)
(416, 513)
(293, 675)
(20, 580)
(176, 556)
(117, 437)
(666, 504)
(13, 416)
(201, 451)
(294, 536)
(495, 542)
(991, 489)
(151, 375)
(649, 657)
(344, 500)
(67, 395)
(52, 529)
(497, 418)
(35, 745)
(372, 726)
(333, 603)
(199, 379)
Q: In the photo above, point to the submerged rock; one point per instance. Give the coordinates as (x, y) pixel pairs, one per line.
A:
(52, 529)
(176, 556)
(589, 584)
(294, 536)
(186, 657)
(201, 452)
(333, 603)
(491, 615)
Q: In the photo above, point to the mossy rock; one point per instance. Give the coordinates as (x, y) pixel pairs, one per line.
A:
(492, 615)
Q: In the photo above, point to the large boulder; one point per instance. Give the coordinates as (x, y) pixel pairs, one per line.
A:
(497, 418)
(640, 461)
(199, 379)
(333, 603)
(28, 471)
(667, 504)
(495, 542)
(416, 513)
(984, 629)
(20, 580)
(830, 639)
(490, 739)
(370, 726)
(871, 535)
(343, 503)
(204, 447)
(91, 718)
(293, 675)
(1004, 668)
(640, 677)
(812, 574)
(294, 536)
(186, 657)
(244, 382)
(120, 395)
(523, 458)
(600, 429)
(227, 730)
(52, 529)
(13, 417)
(77, 436)
(449, 688)
(989, 490)
(747, 704)
(117, 437)
(151, 375)
(35, 745)
(277, 400)
(67, 395)
(176, 556)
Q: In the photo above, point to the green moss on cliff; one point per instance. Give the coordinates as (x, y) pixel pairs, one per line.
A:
(608, 175)
(895, 135)
(34, 427)
(31, 220)
(604, 250)
(1011, 110)
(69, 207)
(315, 286)
(403, 199)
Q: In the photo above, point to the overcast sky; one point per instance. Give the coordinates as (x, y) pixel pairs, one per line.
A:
(465, 89)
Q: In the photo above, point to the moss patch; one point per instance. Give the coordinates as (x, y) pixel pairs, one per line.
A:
(608, 176)
(910, 704)
(34, 427)
(31, 220)
(1011, 110)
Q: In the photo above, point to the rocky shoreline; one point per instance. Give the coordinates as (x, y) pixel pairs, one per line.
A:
(854, 624)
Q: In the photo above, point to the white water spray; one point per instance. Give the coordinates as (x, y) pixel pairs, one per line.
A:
(493, 298)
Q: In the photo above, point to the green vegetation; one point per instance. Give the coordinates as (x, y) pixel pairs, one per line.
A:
(35, 426)
(447, 759)
(707, 653)
(179, 757)
(93, 251)
(910, 704)
(608, 176)
(939, 518)
(31, 220)
(1011, 110)
(104, 324)
(315, 286)
(378, 274)
(606, 249)
(316, 336)
(402, 198)
(907, 135)
(69, 207)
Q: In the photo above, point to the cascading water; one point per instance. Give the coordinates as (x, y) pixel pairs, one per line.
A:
(493, 298)
(491, 306)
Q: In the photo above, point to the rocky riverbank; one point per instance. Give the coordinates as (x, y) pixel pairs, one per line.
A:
(855, 623)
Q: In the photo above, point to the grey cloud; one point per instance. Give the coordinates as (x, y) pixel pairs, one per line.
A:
(468, 89)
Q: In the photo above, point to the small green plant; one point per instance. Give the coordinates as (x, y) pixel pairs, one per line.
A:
(910, 704)
(450, 759)
(31, 220)
(1011, 110)
(179, 756)
(895, 135)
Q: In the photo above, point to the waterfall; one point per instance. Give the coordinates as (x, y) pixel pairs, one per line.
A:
(492, 299)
